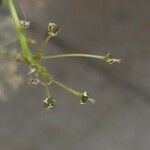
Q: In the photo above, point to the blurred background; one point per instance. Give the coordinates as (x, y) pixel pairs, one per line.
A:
(120, 118)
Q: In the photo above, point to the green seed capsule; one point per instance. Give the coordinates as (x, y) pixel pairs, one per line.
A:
(84, 98)
(49, 103)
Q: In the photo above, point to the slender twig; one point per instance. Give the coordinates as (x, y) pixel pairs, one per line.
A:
(76, 93)
(22, 9)
(21, 36)
(74, 55)
(47, 91)
(45, 42)
(23, 40)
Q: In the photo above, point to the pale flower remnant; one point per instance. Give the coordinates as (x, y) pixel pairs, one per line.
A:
(25, 24)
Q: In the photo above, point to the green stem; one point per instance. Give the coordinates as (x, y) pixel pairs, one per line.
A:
(41, 50)
(47, 91)
(27, 55)
(45, 42)
(76, 93)
(74, 55)
(21, 36)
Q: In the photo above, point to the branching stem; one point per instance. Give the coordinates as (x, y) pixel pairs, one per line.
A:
(39, 70)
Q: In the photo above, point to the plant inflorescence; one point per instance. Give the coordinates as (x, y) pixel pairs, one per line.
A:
(38, 73)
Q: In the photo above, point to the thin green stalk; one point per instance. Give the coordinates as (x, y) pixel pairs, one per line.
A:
(74, 55)
(45, 42)
(76, 93)
(27, 55)
(21, 36)
(47, 91)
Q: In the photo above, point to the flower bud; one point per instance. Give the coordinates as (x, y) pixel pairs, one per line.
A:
(84, 98)
(25, 24)
(53, 29)
(110, 60)
(33, 81)
(49, 103)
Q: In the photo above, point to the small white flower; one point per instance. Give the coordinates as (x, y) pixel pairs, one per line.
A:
(25, 24)
(32, 70)
(109, 60)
